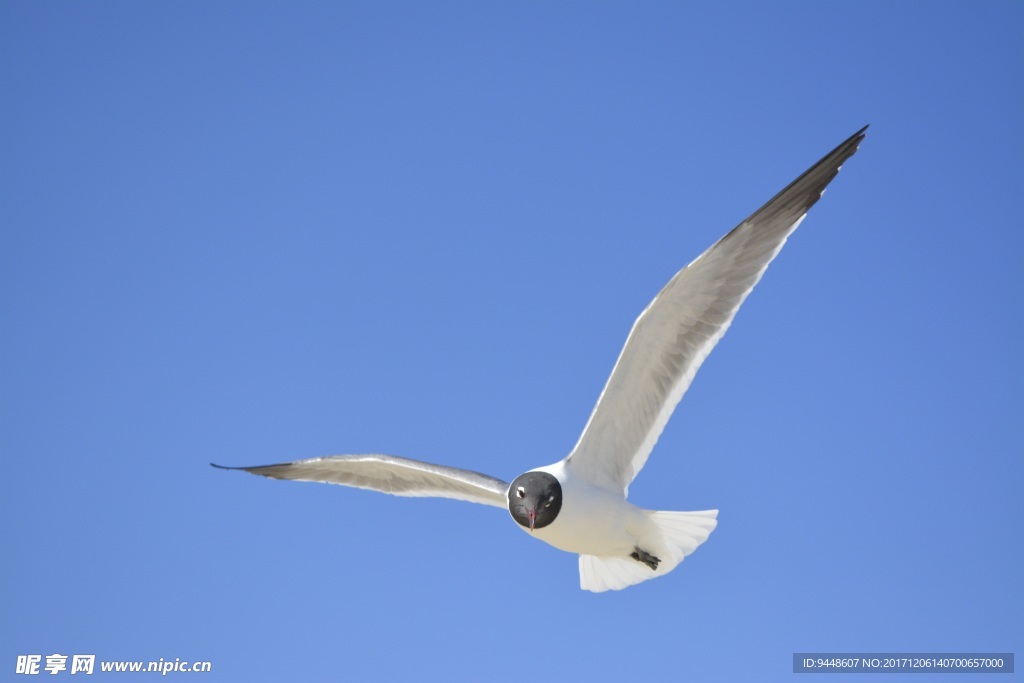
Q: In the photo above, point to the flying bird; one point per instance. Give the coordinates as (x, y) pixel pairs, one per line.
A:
(579, 504)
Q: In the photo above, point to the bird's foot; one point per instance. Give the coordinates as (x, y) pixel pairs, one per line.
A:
(645, 557)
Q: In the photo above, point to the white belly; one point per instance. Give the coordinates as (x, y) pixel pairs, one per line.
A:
(592, 520)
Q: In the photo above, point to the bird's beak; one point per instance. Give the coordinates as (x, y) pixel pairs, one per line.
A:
(532, 516)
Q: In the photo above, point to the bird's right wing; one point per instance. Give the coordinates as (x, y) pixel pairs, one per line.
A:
(390, 474)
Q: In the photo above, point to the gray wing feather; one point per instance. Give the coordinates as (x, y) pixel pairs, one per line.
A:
(390, 474)
(676, 332)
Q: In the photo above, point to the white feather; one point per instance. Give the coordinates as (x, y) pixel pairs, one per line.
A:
(676, 332)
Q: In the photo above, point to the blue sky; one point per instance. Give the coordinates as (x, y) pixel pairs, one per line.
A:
(254, 232)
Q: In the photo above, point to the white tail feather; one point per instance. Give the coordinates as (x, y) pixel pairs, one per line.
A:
(676, 535)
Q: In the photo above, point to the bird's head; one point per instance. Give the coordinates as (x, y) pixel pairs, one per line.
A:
(534, 499)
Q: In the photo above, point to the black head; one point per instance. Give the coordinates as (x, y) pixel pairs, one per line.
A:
(534, 499)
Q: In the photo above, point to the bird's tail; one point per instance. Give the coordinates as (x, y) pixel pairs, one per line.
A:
(676, 535)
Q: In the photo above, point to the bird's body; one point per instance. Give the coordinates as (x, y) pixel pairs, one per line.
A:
(619, 544)
(579, 504)
(593, 520)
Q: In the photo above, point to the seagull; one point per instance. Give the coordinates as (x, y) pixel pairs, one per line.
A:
(579, 504)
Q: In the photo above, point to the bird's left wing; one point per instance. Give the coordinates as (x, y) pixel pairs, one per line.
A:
(390, 474)
(675, 333)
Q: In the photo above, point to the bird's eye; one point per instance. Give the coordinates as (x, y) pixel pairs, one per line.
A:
(521, 492)
(550, 501)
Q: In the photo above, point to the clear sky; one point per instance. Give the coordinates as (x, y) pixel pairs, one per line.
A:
(251, 232)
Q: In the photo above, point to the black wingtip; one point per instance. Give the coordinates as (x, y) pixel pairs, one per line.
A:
(856, 138)
(852, 141)
(252, 469)
(804, 192)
